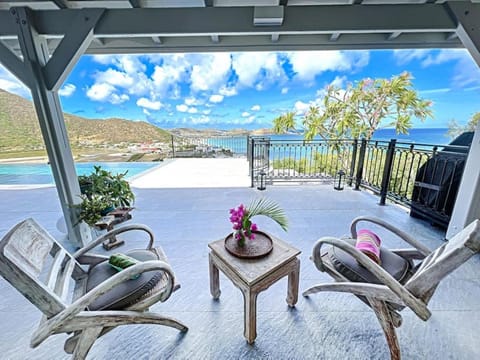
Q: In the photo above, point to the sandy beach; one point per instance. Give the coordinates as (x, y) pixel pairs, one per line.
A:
(26, 160)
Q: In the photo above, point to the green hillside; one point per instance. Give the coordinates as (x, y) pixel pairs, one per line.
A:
(20, 130)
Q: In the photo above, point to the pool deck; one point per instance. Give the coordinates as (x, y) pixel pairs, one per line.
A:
(198, 173)
(323, 326)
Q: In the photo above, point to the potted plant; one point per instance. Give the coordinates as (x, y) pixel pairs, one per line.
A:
(103, 192)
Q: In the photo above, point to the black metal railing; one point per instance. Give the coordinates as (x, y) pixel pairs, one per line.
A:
(423, 176)
(299, 160)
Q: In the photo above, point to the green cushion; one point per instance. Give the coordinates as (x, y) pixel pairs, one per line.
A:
(346, 265)
(128, 292)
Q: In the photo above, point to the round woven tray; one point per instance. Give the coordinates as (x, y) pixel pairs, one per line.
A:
(260, 246)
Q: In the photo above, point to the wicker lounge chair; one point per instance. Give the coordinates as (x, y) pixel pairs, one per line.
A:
(101, 298)
(406, 278)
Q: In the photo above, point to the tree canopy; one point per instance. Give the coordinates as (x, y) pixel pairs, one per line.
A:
(358, 110)
(455, 129)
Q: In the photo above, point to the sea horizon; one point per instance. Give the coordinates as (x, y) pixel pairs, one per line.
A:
(430, 136)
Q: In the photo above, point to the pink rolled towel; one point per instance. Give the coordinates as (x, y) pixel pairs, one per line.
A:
(369, 243)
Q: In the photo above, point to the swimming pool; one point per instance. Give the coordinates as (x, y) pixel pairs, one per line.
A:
(36, 174)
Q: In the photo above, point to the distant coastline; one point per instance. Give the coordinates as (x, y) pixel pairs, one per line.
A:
(436, 136)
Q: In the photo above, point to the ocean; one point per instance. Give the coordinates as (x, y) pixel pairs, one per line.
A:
(434, 136)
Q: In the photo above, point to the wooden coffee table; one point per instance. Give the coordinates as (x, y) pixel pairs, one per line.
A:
(252, 276)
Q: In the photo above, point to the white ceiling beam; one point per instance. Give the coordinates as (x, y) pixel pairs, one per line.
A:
(393, 35)
(264, 43)
(237, 21)
(335, 36)
(157, 40)
(268, 15)
(451, 36)
(72, 46)
(98, 40)
(135, 3)
(61, 4)
(275, 37)
(467, 16)
(13, 63)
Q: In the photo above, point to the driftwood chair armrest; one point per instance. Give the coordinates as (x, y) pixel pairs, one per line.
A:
(51, 325)
(411, 253)
(401, 234)
(398, 289)
(116, 232)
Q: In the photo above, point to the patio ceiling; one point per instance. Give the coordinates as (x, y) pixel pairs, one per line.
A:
(150, 26)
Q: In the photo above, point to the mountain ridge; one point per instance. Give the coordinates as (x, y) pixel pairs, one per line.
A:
(21, 129)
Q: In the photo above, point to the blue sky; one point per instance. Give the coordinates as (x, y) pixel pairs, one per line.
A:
(248, 90)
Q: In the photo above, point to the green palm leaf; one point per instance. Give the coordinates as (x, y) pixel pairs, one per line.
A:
(269, 208)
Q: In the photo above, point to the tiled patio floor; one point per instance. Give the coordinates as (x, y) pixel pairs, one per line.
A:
(324, 326)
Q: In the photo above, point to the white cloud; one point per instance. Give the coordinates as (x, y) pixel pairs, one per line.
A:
(403, 57)
(339, 81)
(435, 91)
(206, 112)
(149, 104)
(307, 65)
(301, 107)
(104, 92)
(200, 120)
(182, 108)
(100, 92)
(115, 78)
(67, 90)
(10, 83)
(193, 101)
(284, 90)
(227, 91)
(168, 75)
(443, 56)
(245, 114)
(216, 98)
(129, 63)
(146, 112)
(193, 110)
(465, 72)
(255, 108)
(258, 69)
(103, 59)
(210, 72)
(116, 99)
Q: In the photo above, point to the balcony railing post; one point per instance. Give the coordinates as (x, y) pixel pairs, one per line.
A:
(387, 171)
(173, 148)
(361, 160)
(252, 160)
(354, 160)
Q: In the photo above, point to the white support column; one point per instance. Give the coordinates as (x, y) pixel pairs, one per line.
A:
(467, 204)
(50, 115)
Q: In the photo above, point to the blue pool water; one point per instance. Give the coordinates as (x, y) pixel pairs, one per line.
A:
(23, 174)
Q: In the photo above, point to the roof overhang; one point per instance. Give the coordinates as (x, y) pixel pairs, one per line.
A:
(269, 27)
